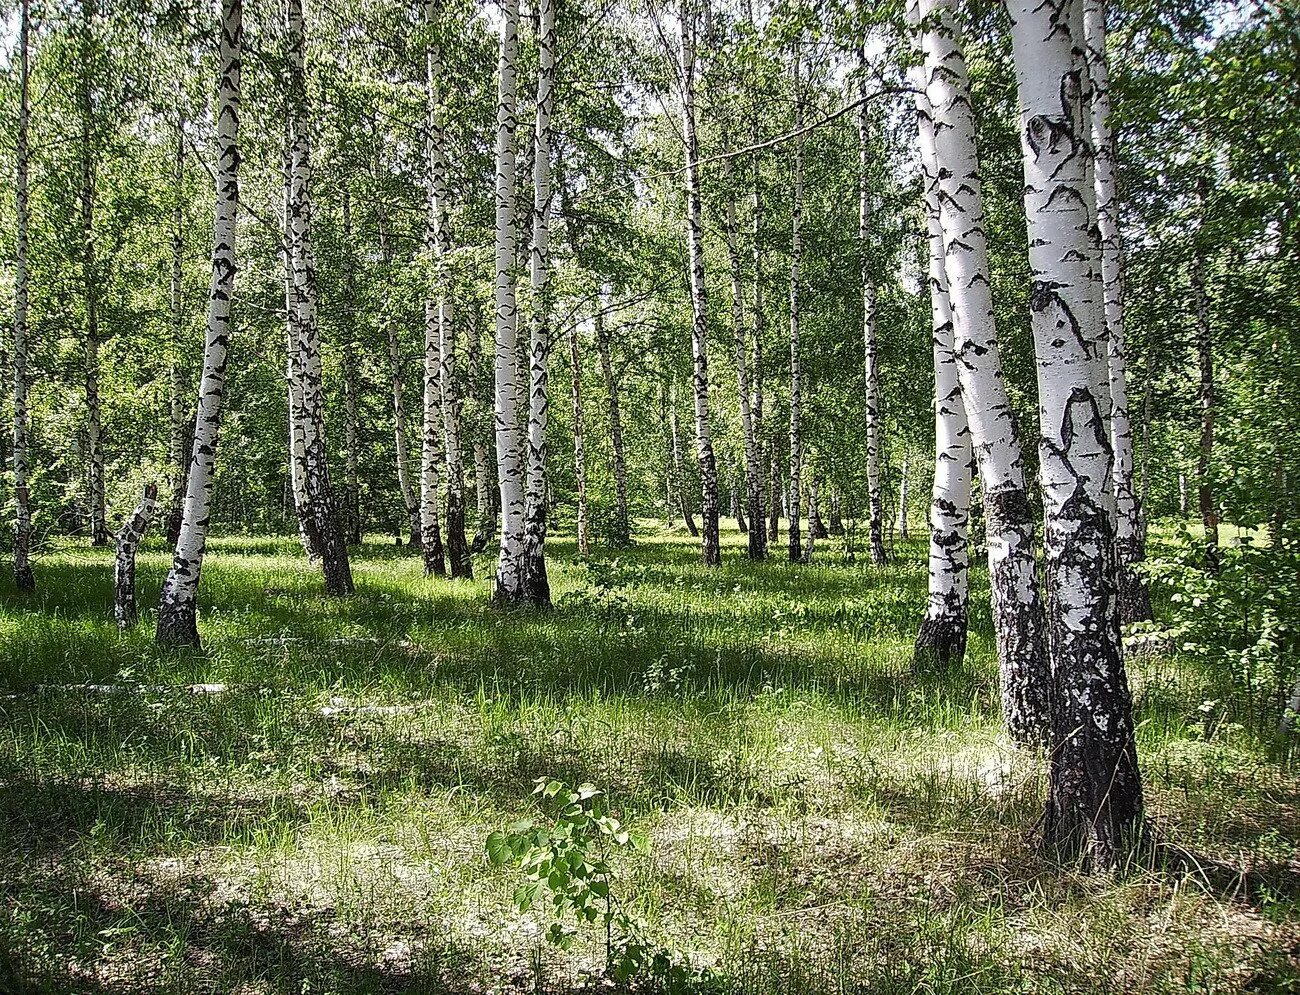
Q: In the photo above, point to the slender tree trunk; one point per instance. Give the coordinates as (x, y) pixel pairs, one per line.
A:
(871, 358)
(90, 276)
(24, 579)
(622, 523)
(177, 608)
(1095, 795)
(485, 507)
(679, 473)
(324, 527)
(1182, 494)
(1205, 362)
(296, 418)
(510, 469)
(1148, 389)
(712, 549)
(180, 438)
(950, 147)
(348, 368)
(441, 389)
(128, 542)
(941, 640)
(536, 584)
(756, 356)
(774, 497)
(796, 372)
(904, 482)
(836, 527)
(579, 447)
(1130, 549)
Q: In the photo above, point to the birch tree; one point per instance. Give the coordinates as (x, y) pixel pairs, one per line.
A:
(1205, 395)
(709, 511)
(348, 369)
(177, 607)
(510, 470)
(1130, 545)
(24, 578)
(441, 399)
(91, 280)
(622, 523)
(129, 537)
(177, 453)
(536, 584)
(950, 143)
(1095, 794)
(307, 392)
(795, 546)
(579, 445)
(870, 354)
(941, 640)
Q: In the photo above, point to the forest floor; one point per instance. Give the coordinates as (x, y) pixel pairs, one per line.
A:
(304, 806)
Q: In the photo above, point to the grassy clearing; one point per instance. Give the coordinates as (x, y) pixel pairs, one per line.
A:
(819, 819)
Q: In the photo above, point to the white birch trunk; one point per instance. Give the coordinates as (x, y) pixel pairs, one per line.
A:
(679, 473)
(125, 612)
(484, 471)
(622, 522)
(579, 447)
(870, 355)
(1205, 395)
(90, 278)
(322, 521)
(177, 462)
(177, 608)
(536, 585)
(24, 578)
(1095, 794)
(510, 469)
(1134, 599)
(795, 545)
(1018, 615)
(941, 639)
(709, 511)
(351, 388)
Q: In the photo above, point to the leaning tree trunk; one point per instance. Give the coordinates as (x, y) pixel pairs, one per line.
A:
(941, 640)
(816, 526)
(1017, 609)
(536, 584)
(324, 527)
(177, 607)
(24, 579)
(679, 472)
(177, 451)
(796, 374)
(128, 542)
(1130, 547)
(1095, 795)
(871, 358)
(1205, 394)
(510, 470)
(441, 390)
(349, 375)
(622, 523)
(579, 446)
(711, 546)
(90, 277)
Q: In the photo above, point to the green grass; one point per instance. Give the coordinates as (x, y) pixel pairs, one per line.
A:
(819, 819)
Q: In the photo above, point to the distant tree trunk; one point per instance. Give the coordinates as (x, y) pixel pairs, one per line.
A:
(816, 527)
(774, 498)
(128, 541)
(24, 579)
(796, 372)
(900, 520)
(712, 549)
(1182, 494)
(180, 438)
(177, 608)
(679, 475)
(1130, 547)
(322, 521)
(509, 585)
(441, 438)
(756, 356)
(348, 369)
(485, 507)
(579, 448)
(1148, 388)
(622, 523)
(1095, 791)
(1017, 608)
(90, 277)
(941, 640)
(871, 359)
(1205, 361)
(536, 584)
(836, 527)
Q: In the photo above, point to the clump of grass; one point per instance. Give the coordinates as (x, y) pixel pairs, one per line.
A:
(817, 817)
